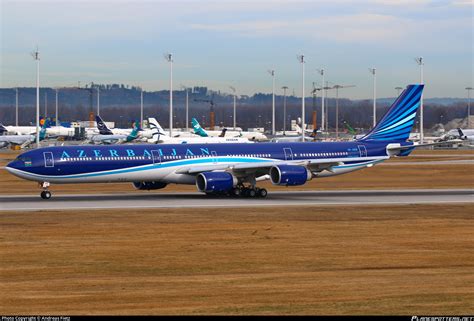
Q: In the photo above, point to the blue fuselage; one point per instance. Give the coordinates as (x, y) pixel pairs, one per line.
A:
(71, 164)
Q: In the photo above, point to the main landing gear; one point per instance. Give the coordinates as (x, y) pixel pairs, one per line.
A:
(242, 191)
(45, 194)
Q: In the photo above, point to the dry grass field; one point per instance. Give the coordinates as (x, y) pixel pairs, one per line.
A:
(377, 177)
(412, 260)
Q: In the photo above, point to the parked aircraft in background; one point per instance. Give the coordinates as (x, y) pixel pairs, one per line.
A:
(225, 132)
(106, 136)
(21, 140)
(159, 136)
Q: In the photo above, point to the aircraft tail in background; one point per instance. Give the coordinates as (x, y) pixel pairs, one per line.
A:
(198, 130)
(103, 129)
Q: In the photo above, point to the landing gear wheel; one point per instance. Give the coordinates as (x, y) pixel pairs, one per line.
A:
(46, 195)
(252, 192)
(262, 192)
(236, 192)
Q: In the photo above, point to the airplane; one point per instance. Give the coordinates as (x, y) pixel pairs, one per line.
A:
(20, 130)
(160, 137)
(21, 140)
(102, 129)
(60, 131)
(223, 169)
(198, 130)
(106, 136)
(466, 135)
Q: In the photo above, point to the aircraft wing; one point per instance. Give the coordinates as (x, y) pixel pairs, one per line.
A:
(314, 165)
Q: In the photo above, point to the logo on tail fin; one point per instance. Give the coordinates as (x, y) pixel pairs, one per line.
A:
(103, 129)
(198, 130)
(397, 123)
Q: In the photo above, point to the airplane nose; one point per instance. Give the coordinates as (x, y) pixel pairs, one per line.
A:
(9, 167)
(12, 166)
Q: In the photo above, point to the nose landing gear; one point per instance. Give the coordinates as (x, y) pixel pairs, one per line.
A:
(45, 194)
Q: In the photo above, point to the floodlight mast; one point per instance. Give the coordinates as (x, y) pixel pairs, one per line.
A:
(141, 107)
(272, 73)
(45, 105)
(169, 58)
(284, 108)
(420, 62)
(469, 106)
(301, 60)
(37, 58)
(373, 72)
(16, 107)
(337, 87)
(187, 106)
(57, 100)
(98, 100)
(323, 90)
(234, 120)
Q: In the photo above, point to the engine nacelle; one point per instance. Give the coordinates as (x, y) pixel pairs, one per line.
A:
(215, 182)
(289, 175)
(149, 185)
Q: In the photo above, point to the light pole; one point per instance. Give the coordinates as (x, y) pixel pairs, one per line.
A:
(420, 62)
(37, 58)
(284, 108)
(235, 97)
(337, 87)
(141, 107)
(169, 58)
(468, 106)
(372, 71)
(272, 73)
(323, 90)
(45, 105)
(187, 107)
(57, 100)
(301, 60)
(16, 107)
(398, 89)
(98, 101)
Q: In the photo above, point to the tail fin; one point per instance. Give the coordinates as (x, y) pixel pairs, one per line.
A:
(155, 126)
(42, 133)
(3, 129)
(397, 123)
(103, 129)
(133, 135)
(198, 129)
(222, 134)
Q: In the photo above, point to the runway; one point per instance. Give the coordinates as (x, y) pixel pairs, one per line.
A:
(198, 200)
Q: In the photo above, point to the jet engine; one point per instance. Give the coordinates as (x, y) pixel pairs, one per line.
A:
(149, 185)
(289, 175)
(215, 182)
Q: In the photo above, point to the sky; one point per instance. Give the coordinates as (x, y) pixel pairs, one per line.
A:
(234, 43)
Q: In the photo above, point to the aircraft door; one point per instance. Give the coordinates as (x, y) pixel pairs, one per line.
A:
(156, 156)
(288, 153)
(48, 159)
(362, 150)
(214, 156)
